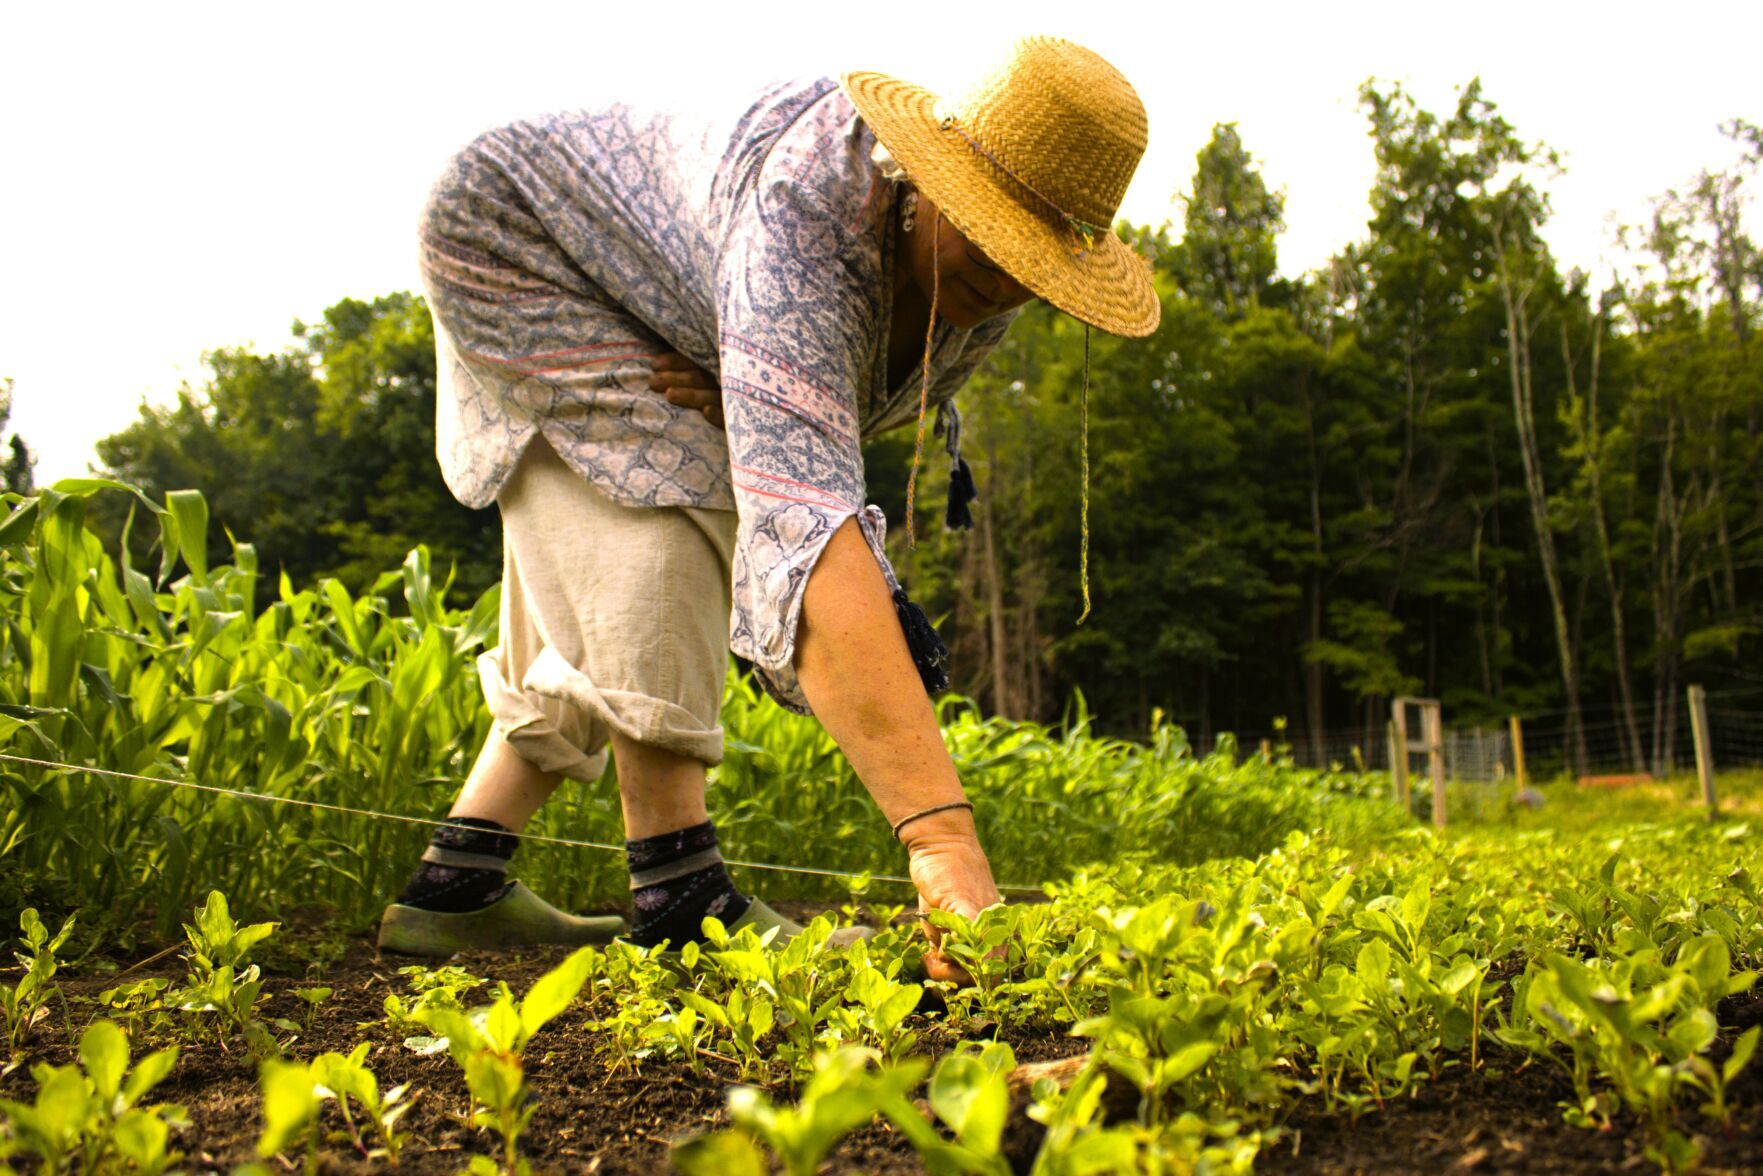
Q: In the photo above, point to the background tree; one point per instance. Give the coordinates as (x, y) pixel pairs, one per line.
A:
(19, 467)
(1435, 465)
(323, 454)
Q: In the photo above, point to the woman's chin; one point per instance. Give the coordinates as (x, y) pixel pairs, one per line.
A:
(962, 315)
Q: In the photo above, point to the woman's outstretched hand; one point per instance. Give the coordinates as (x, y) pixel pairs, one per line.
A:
(687, 385)
(951, 874)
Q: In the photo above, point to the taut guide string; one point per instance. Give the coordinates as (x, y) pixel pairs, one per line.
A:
(432, 823)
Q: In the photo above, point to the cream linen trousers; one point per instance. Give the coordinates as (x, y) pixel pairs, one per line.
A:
(614, 618)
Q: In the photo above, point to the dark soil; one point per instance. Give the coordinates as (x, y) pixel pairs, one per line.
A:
(1507, 1118)
(591, 1118)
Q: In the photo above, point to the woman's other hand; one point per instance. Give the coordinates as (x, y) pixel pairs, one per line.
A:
(951, 874)
(687, 385)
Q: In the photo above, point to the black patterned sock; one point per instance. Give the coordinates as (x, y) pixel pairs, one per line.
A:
(677, 880)
(465, 867)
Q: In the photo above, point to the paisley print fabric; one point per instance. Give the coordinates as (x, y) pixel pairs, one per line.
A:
(562, 254)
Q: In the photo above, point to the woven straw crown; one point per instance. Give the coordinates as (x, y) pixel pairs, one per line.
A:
(1031, 165)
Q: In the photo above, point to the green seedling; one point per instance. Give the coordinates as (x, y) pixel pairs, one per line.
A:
(26, 1003)
(843, 1095)
(294, 1093)
(970, 1093)
(88, 1117)
(1633, 1023)
(312, 998)
(679, 1031)
(488, 1045)
(434, 988)
(217, 982)
(139, 1005)
(879, 1007)
(290, 1112)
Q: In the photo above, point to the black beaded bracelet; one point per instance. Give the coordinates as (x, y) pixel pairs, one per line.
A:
(941, 808)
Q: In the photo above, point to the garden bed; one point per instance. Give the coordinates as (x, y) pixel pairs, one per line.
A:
(594, 1116)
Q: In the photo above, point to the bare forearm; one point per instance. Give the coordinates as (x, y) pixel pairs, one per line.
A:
(852, 661)
(857, 674)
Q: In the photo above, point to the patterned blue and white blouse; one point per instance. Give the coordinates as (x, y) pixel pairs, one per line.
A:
(562, 253)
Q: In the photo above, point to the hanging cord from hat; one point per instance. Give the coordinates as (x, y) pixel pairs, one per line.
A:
(929, 654)
(1084, 417)
(936, 272)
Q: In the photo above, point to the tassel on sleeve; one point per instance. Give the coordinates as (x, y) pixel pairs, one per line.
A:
(962, 491)
(929, 653)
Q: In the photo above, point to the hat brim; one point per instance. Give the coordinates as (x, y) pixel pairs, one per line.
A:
(1107, 285)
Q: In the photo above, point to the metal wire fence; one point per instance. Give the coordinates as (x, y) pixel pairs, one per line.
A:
(1484, 753)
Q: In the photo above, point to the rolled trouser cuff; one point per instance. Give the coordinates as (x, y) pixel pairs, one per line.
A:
(653, 722)
(531, 733)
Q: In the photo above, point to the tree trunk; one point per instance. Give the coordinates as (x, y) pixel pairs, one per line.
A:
(1591, 443)
(1667, 604)
(1003, 702)
(1518, 353)
(1314, 710)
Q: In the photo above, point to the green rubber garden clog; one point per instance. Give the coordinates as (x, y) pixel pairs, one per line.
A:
(519, 918)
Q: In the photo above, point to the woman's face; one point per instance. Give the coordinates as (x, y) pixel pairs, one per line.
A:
(971, 288)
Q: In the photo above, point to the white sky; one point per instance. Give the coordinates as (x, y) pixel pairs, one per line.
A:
(179, 177)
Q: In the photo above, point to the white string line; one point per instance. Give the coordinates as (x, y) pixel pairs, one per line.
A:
(432, 823)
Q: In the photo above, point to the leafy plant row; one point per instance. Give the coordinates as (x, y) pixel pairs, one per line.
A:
(1220, 996)
(372, 702)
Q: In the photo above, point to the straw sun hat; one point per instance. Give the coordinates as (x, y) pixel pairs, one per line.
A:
(1030, 165)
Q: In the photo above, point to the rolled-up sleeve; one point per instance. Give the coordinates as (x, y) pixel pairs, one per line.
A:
(800, 314)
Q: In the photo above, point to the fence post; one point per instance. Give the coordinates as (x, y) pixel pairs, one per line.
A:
(1433, 728)
(1399, 751)
(1518, 751)
(1704, 753)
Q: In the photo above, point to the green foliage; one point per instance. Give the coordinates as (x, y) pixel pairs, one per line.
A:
(293, 1098)
(220, 982)
(842, 1095)
(434, 988)
(487, 1045)
(314, 696)
(330, 699)
(1220, 993)
(26, 1003)
(88, 1117)
(323, 454)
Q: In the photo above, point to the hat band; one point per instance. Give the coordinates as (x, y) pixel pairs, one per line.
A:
(1082, 228)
